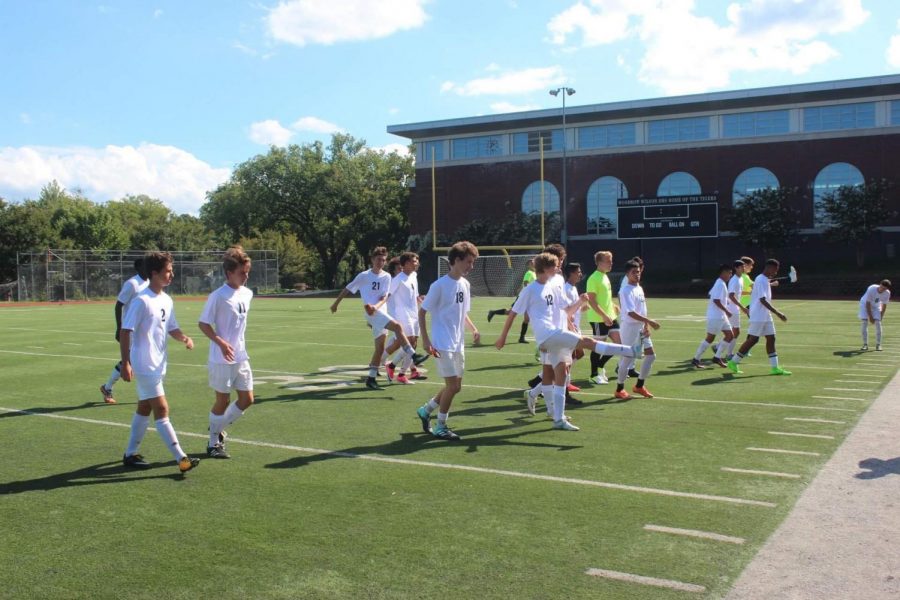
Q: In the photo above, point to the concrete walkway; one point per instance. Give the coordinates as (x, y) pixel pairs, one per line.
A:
(842, 539)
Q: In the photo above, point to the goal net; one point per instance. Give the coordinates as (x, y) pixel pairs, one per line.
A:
(493, 275)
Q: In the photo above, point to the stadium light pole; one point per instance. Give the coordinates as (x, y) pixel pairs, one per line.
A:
(564, 203)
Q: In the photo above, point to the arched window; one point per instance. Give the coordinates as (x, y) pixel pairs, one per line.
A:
(602, 205)
(828, 181)
(678, 183)
(531, 198)
(751, 180)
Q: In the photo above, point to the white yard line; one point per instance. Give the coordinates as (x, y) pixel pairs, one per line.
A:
(836, 389)
(450, 466)
(851, 381)
(706, 535)
(809, 420)
(641, 579)
(781, 451)
(764, 473)
(803, 435)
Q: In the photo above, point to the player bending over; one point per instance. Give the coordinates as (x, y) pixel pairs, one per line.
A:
(872, 307)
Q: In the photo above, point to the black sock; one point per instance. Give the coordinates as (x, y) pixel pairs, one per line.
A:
(523, 330)
(604, 359)
(595, 363)
(620, 387)
(640, 383)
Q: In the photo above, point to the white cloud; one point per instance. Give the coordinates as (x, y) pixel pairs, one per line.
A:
(401, 149)
(508, 107)
(173, 175)
(302, 22)
(893, 51)
(270, 133)
(315, 125)
(511, 82)
(774, 35)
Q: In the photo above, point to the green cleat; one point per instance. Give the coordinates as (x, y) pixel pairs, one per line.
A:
(778, 371)
(445, 433)
(425, 418)
(733, 367)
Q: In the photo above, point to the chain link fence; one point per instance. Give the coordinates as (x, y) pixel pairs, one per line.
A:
(62, 275)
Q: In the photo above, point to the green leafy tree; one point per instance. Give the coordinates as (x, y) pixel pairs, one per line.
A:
(145, 221)
(234, 215)
(768, 217)
(855, 212)
(296, 264)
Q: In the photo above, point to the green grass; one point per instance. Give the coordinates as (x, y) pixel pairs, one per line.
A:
(282, 521)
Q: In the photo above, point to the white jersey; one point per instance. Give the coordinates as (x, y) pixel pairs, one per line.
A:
(448, 300)
(560, 318)
(761, 289)
(875, 299)
(571, 293)
(150, 318)
(719, 291)
(226, 310)
(131, 288)
(736, 287)
(372, 287)
(403, 303)
(631, 299)
(542, 302)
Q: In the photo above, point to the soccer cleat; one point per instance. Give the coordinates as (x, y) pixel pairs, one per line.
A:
(425, 418)
(217, 451)
(222, 437)
(778, 371)
(720, 362)
(865, 348)
(372, 384)
(389, 371)
(733, 367)
(135, 461)
(565, 425)
(530, 402)
(490, 315)
(445, 433)
(187, 463)
(522, 340)
(570, 401)
(418, 359)
(600, 379)
(571, 387)
(878, 348)
(697, 364)
(414, 374)
(643, 391)
(534, 381)
(401, 378)
(621, 395)
(107, 395)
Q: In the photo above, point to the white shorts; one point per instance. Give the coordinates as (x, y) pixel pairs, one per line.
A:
(451, 364)
(714, 326)
(149, 386)
(558, 347)
(761, 328)
(378, 322)
(410, 327)
(630, 332)
(226, 377)
(735, 319)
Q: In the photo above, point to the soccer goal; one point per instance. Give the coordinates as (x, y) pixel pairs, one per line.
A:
(494, 275)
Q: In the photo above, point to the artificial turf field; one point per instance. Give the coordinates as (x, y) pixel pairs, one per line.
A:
(515, 509)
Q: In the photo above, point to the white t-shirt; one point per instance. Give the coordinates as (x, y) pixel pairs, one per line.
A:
(719, 291)
(226, 310)
(736, 287)
(872, 296)
(150, 317)
(560, 318)
(631, 299)
(571, 293)
(131, 288)
(372, 287)
(761, 289)
(448, 300)
(542, 302)
(403, 304)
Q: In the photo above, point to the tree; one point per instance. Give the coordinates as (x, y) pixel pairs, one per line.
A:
(144, 219)
(768, 217)
(855, 212)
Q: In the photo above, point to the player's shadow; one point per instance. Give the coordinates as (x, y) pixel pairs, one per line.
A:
(876, 467)
(849, 353)
(726, 376)
(503, 367)
(330, 394)
(47, 410)
(100, 474)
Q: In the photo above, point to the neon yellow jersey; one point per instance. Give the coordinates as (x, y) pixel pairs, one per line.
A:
(528, 278)
(598, 284)
(748, 287)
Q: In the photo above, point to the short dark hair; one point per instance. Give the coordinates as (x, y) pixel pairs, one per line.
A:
(460, 250)
(392, 265)
(544, 261)
(631, 264)
(737, 264)
(772, 262)
(557, 250)
(378, 251)
(638, 260)
(572, 267)
(156, 261)
(406, 257)
(726, 267)
(886, 283)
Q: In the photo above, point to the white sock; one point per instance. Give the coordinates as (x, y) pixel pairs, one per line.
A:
(731, 346)
(865, 332)
(167, 433)
(559, 402)
(232, 414)
(606, 348)
(648, 361)
(442, 418)
(722, 349)
(216, 425)
(113, 377)
(431, 406)
(409, 350)
(878, 332)
(373, 371)
(704, 346)
(139, 424)
(547, 391)
(773, 360)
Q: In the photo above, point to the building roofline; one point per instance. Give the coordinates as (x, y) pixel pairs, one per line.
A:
(731, 99)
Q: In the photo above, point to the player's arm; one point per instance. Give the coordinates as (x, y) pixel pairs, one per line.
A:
(118, 312)
(721, 306)
(379, 304)
(592, 302)
(501, 341)
(423, 327)
(476, 335)
(225, 347)
(772, 309)
(344, 293)
(740, 306)
(125, 353)
(869, 311)
(181, 337)
(643, 319)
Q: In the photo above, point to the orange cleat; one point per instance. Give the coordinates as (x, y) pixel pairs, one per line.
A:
(642, 391)
(622, 395)
(571, 387)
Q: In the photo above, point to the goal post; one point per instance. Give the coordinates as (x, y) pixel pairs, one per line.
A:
(494, 274)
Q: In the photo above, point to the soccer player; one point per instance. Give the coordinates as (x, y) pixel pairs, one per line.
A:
(761, 323)
(224, 322)
(403, 307)
(602, 313)
(735, 293)
(448, 300)
(542, 300)
(527, 278)
(718, 318)
(149, 321)
(747, 290)
(872, 307)
(635, 330)
(373, 286)
(131, 288)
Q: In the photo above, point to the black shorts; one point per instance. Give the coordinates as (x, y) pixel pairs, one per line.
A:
(602, 330)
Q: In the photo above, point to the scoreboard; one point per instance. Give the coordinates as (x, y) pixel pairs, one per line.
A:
(668, 217)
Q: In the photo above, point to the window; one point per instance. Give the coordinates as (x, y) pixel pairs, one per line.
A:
(477, 147)
(769, 122)
(895, 112)
(828, 181)
(436, 146)
(678, 183)
(530, 141)
(606, 136)
(678, 130)
(839, 116)
(754, 178)
(602, 207)
(531, 199)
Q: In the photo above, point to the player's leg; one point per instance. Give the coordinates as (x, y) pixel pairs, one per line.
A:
(140, 421)
(704, 345)
(371, 378)
(523, 329)
(877, 334)
(646, 364)
(614, 337)
(166, 431)
(494, 313)
(559, 392)
(107, 388)
(395, 327)
(865, 333)
(630, 334)
(774, 368)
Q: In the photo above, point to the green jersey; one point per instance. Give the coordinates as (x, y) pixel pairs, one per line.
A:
(748, 287)
(598, 284)
(528, 278)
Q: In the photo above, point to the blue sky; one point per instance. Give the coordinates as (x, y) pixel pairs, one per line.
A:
(166, 97)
